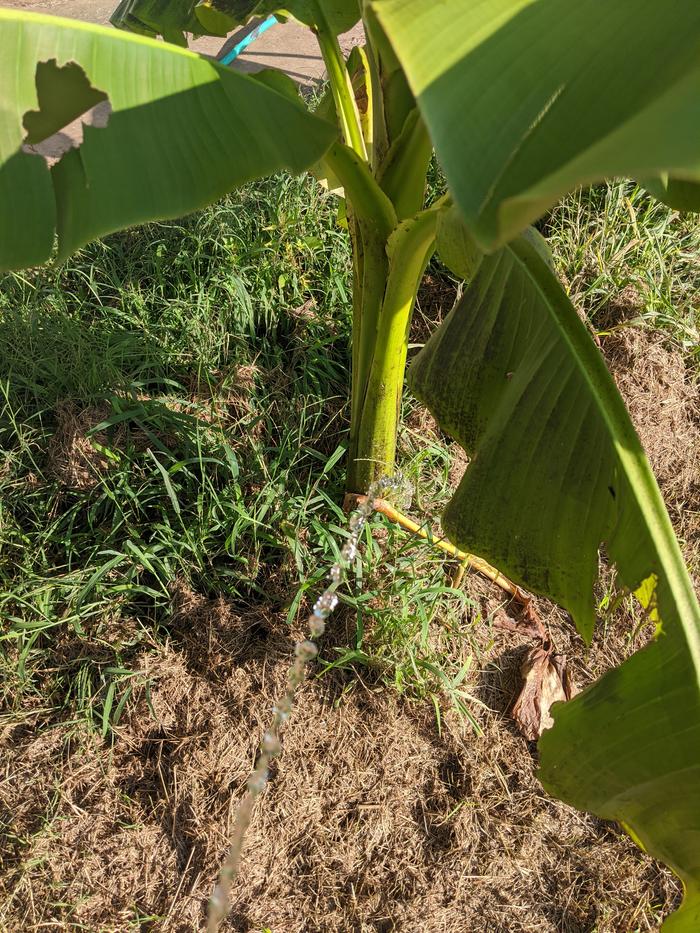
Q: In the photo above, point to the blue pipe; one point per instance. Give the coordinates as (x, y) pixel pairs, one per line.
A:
(248, 40)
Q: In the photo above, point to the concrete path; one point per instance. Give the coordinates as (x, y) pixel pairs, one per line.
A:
(287, 46)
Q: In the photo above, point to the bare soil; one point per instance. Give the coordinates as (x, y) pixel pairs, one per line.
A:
(374, 819)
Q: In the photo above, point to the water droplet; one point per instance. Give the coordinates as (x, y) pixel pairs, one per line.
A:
(271, 744)
(257, 782)
(325, 604)
(316, 626)
(306, 650)
(336, 574)
(357, 522)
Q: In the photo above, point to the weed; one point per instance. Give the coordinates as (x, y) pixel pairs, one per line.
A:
(173, 414)
(627, 258)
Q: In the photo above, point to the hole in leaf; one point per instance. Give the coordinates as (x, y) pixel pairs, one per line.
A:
(65, 96)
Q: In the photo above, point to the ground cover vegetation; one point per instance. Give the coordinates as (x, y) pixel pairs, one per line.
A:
(161, 462)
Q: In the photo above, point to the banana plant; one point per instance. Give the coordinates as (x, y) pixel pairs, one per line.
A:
(521, 100)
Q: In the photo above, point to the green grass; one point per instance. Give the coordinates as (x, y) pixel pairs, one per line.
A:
(208, 361)
(616, 246)
(213, 356)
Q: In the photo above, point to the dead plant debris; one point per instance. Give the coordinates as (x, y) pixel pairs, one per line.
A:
(73, 456)
(546, 680)
(374, 820)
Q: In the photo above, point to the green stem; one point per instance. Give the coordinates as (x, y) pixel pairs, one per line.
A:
(341, 86)
(372, 222)
(404, 171)
(370, 291)
(373, 446)
(358, 267)
(380, 142)
(366, 198)
(374, 286)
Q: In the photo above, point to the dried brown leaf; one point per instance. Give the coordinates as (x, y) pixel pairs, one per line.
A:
(527, 623)
(546, 680)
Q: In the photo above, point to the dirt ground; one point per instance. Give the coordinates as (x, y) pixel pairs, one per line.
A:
(374, 819)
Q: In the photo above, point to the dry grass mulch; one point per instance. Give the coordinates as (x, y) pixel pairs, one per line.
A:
(373, 821)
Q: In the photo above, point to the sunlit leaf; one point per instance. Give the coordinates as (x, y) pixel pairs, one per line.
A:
(172, 18)
(340, 15)
(526, 99)
(679, 194)
(182, 132)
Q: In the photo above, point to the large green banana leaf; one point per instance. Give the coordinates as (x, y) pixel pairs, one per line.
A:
(167, 18)
(171, 18)
(557, 471)
(526, 99)
(183, 131)
(678, 193)
(340, 15)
